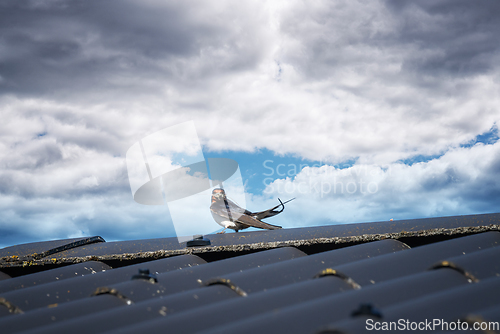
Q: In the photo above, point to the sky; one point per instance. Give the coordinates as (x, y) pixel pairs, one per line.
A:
(361, 110)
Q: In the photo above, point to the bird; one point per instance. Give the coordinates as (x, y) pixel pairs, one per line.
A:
(229, 215)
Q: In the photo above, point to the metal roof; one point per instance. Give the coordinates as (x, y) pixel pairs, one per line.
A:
(308, 280)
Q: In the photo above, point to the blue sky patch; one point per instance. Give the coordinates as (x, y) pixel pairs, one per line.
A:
(264, 166)
(419, 158)
(258, 168)
(488, 138)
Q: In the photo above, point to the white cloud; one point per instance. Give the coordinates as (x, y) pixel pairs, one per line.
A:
(462, 181)
(114, 217)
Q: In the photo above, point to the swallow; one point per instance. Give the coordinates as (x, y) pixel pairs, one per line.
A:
(229, 215)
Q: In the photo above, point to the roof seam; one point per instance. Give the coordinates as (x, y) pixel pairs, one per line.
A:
(346, 241)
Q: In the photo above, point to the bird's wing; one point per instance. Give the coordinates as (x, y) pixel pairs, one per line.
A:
(220, 209)
(235, 208)
(250, 221)
(271, 212)
(239, 215)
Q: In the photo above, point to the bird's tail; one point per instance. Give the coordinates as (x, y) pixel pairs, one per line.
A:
(271, 212)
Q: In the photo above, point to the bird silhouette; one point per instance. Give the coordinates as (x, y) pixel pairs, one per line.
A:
(229, 215)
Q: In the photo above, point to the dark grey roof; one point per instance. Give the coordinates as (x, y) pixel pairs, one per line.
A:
(321, 279)
(312, 239)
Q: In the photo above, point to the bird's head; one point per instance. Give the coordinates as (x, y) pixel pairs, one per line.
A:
(218, 194)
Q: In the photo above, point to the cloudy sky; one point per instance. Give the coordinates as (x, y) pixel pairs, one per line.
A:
(362, 110)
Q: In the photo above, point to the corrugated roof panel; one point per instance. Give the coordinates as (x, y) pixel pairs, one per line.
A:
(269, 291)
(4, 311)
(46, 248)
(84, 286)
(449, 305)
(476, 242)
(137, 290)
(299, 319)
(416, 259)
(116, 316)
(318, 261)
(123, 316)
(481, 264)
(174, 303)
(491, 315)
(57, 274)
(192, 278)
(289, 272)
(188, 278)
(237, 307)
(308, 316)
(46, 315)
(43, 316)
(242, 308)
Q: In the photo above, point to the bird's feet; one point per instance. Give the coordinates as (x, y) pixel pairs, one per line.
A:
(221, 232)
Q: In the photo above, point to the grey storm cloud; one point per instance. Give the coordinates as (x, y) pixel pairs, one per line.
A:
(413, 60)
(432, 40)
(84, 39)
(78, 46)
(456, 37)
